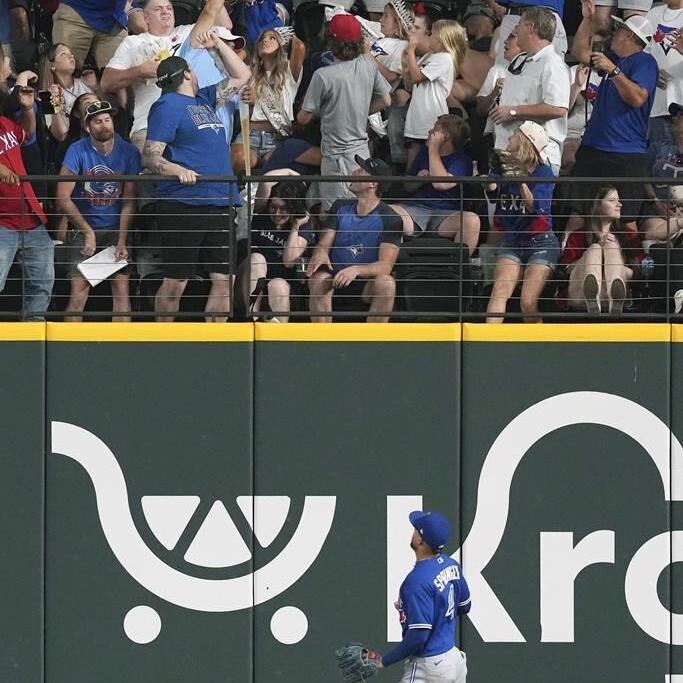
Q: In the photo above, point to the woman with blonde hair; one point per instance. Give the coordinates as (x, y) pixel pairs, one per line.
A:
(271, 92)
(430, 78)
(595, 258)
(529, 249)
(56, 74)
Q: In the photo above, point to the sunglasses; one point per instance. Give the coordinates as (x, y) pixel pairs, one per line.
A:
(99, 107)
(167, 78)
(518, 63)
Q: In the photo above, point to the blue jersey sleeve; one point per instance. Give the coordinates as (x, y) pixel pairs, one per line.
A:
(464, 599)
(418, 606)
(73, 159)
(162, 122)
(133, 161)
(644, 72)
(543, 192)
(411, 644)
(209, 94)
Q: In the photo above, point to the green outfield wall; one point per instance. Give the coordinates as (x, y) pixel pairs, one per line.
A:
(228, 503)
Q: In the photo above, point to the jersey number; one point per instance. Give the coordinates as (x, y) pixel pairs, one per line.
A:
(450, 611)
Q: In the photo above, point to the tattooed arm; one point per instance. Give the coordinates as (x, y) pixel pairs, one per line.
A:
(238, 72)
(153, 160)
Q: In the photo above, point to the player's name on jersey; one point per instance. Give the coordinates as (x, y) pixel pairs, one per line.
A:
(445, 576)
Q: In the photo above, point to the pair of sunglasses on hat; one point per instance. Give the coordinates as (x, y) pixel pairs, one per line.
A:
(99, 107)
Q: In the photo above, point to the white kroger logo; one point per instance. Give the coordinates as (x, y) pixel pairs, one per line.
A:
(561, 558)
(217, 544)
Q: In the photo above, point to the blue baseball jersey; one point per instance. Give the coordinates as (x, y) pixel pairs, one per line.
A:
(195, 139)
(99, 200)
(358, 237)
(431, 597)
(511, 214)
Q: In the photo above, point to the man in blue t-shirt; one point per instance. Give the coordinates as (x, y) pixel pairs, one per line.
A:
(185, 140)
(431, 598)
(85, 25)
(615, 140)
(100, 211)
(437, 207)
(356, 253)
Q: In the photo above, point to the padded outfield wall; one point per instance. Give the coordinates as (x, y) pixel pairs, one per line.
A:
(228, 503)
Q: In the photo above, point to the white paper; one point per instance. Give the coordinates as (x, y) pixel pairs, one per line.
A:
(100, 266)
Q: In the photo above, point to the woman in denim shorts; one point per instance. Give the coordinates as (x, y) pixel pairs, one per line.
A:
(529, 250)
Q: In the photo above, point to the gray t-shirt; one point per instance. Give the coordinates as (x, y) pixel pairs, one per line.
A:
(340, 94)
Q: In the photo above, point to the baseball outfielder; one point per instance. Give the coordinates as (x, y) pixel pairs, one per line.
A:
(431, 597)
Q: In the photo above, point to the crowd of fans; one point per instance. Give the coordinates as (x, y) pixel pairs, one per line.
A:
(513, 93)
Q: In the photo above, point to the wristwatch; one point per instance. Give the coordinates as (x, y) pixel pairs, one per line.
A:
(513, 113)
(615, 72)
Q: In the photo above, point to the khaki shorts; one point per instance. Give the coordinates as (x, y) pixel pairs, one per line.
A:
(75, 242)
(69, 28)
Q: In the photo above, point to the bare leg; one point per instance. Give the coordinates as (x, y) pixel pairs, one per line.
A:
(462, 227)
(658, 229)
(278, 298)
(120, 287)
(167, 300)
(250, 273)
(535, 277)
(311, 157)
(80, 289)
(381, 293)
(590, 263)
(320, 300)
(505, 279)
(237, 153)
(218, 301)
(408, 225)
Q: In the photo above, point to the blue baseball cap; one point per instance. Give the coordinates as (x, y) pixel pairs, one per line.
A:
(434, 528)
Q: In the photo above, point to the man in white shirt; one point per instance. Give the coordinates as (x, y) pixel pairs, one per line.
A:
(136, 60)
(537, 87)
(665, 19)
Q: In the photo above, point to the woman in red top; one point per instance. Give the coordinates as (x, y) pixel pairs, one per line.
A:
(595, 258)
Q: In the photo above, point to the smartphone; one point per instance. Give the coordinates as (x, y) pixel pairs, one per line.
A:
(46, 106)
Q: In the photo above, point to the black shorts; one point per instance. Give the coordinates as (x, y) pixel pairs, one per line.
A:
(591, 162)
(194, 238)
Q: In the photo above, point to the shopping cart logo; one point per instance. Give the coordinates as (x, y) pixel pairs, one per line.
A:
(218, 543)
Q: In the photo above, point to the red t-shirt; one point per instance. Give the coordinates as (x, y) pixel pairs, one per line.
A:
(19, 208)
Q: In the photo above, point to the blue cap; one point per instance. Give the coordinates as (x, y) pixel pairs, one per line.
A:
(434, 528)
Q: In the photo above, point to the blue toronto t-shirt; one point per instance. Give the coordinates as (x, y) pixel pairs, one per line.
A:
(614, 126)
(100, 14)
(457, 164)
(431, 597)
(99, 199)
(358, 237)
(511, 214)
(195, 139)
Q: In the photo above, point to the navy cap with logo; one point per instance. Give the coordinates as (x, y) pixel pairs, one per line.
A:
(374, 166)
(434, 528)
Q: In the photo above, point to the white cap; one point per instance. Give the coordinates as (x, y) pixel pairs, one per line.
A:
(375, 5)
(337, 4)
(226, 34)
(638, 25)
(535, 134)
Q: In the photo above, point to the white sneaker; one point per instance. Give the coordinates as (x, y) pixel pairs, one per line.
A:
(678, 301)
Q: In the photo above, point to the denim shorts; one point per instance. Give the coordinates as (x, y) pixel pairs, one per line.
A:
(541, 248)
(260, 141)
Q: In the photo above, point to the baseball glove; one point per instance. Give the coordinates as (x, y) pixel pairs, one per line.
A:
(510, 165)
(356, 663)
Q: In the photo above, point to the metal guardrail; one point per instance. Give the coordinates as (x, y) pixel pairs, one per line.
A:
(446, 287)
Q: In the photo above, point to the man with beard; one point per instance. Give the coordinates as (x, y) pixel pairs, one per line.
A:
(99, 211)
